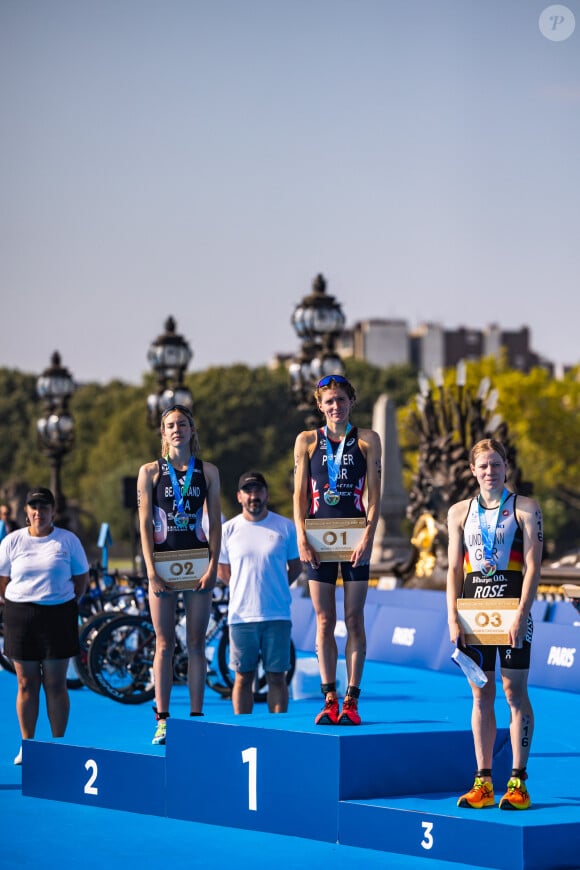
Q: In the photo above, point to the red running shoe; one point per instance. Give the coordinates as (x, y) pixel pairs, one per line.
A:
(349, 714)
(329, 713)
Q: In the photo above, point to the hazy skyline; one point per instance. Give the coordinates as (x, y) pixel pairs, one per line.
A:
(206, 160)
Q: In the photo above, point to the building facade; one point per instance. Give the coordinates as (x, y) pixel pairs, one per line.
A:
(432, 346)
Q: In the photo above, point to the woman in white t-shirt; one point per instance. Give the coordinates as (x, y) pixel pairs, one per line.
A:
(43, 574)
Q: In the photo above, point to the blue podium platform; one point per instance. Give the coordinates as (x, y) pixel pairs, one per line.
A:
(95, 777)
(283, 775)
(291, 782)
(431, 825)
(387, 788)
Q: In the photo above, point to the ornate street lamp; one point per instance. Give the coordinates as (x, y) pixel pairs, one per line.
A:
(169, 355)
(318, 321)
(54, 388)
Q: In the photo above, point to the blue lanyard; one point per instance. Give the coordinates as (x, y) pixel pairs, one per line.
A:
(178, 491)
(487, 534)
(333, 460)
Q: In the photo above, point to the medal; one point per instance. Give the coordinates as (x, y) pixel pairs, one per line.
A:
(489, 565)
(180, 517)
(331, 497)
(181, 520)
(488, 568)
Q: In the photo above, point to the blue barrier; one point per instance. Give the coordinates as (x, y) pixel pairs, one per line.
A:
(406, 637)
(556, 657)
(409, 627)
(563, 613)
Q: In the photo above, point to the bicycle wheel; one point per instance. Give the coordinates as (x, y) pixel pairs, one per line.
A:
(5, 662)
(260, 683)
(87, 633)
(214, 679)
(121, 659)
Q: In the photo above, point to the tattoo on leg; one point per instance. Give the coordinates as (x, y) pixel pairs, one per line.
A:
(525, 731)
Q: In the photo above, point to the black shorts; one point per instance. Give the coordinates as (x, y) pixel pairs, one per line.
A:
(35, 632)
(327, 572)
(509, 657)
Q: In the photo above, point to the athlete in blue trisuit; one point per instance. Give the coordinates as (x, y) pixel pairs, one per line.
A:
(172, 492)
(495, 551)
(333, 466)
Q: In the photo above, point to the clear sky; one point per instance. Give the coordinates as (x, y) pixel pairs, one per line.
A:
(207, 159)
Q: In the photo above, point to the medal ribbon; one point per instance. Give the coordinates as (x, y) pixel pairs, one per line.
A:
(333, 460)
(487, 534)
(178, 491)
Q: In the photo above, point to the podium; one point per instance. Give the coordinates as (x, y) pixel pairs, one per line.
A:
(376, 787)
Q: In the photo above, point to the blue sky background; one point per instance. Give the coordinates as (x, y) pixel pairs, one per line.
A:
(208, 159)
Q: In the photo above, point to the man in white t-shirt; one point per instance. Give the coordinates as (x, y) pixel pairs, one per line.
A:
(259, 560)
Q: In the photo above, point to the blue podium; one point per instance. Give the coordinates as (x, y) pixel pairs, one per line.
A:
(370, 787)
(95, 777)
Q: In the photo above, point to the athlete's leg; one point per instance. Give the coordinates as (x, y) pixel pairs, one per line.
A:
(56, 692)
(515, 686)
(163, 617)
(323, 597)
(355, 593)
(483, 722)
(197, 608)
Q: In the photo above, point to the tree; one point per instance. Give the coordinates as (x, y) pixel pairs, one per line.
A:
(541, 413)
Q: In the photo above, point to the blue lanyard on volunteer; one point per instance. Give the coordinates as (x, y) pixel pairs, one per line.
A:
(489, 564)
(181, 517)
(333, 462)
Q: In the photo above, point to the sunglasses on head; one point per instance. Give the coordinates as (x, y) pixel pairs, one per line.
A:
(181, 408)
(339, 379)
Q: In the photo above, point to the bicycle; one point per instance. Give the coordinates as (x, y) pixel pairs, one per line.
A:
(108, 596)
(122, 647)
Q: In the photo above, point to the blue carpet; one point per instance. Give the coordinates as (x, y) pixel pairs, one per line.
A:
(44, 833)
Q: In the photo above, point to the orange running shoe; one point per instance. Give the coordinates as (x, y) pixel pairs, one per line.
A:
(329, 713)
(516, 797)
(349, 714)
(480, 796)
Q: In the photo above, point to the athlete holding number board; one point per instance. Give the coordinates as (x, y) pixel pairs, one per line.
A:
(495, 551)
(333, 465)
(178, 555)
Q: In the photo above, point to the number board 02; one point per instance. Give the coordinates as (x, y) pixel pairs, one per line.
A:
(182, 569)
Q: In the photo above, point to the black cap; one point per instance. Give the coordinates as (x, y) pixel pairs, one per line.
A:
(252, 477)
(40, 494)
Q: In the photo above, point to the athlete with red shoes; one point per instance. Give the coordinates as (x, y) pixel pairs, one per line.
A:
(333, 465)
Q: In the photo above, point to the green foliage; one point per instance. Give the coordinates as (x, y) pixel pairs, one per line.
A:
(542, 414)
(246, 419)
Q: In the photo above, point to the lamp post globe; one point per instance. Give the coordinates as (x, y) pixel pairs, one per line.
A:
(169, 355)
(318, 320)
(55, 427)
